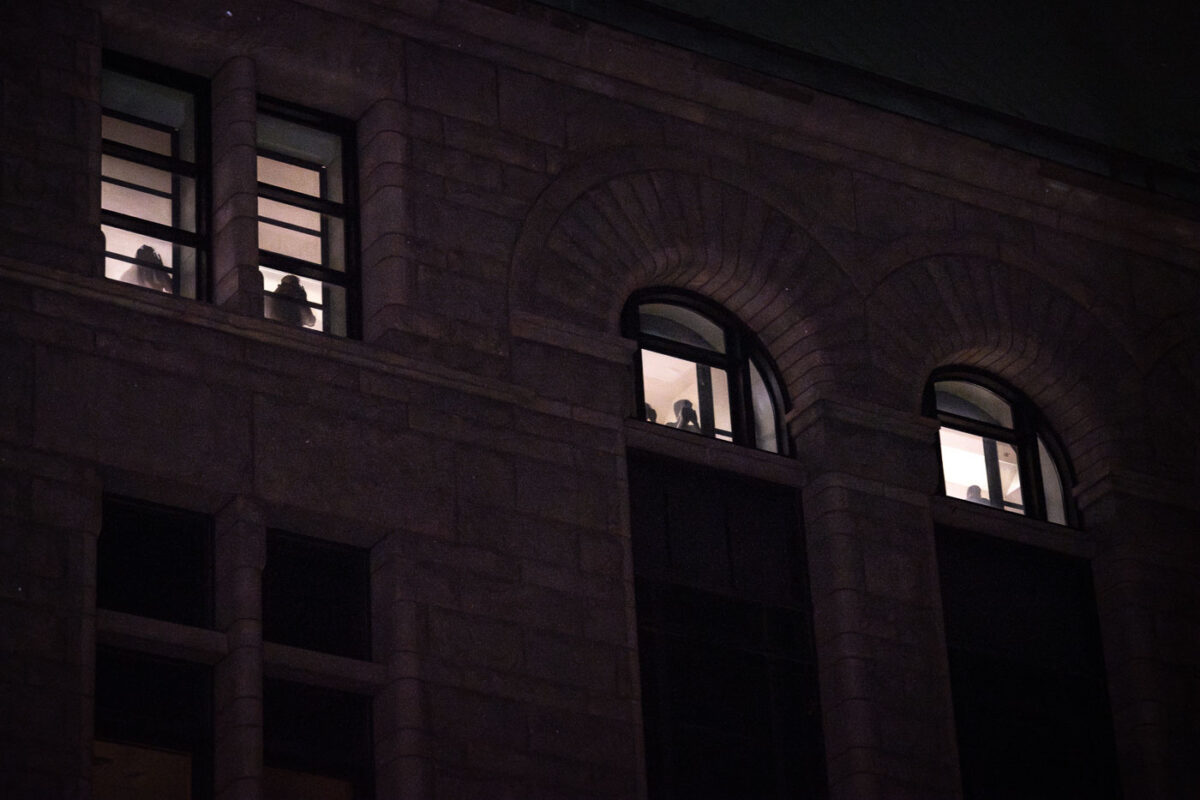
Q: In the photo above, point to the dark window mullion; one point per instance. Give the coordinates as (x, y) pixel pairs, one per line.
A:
(683, 351)
(137, 187)
(305, 269)
(1009, 435)
(148, 159)
(704, 392)
(146, 228)
(301, 200)
(991, 462)
(291, 226)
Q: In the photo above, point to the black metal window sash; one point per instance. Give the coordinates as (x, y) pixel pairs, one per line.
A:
(1023, 436)
(737, 376)
(325, 208)
(177, 167)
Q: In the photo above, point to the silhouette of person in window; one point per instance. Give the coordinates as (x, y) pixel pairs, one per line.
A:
(685, 416)
(143, 273)
(975, 494)
(289, 303)
(651, 414)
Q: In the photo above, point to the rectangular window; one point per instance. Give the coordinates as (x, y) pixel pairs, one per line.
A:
(725, 643)
(1026, 670)
(306, 220)
(153, 186)
(316, 743)
(981, 469)
(153, 728)
(316, 595)
(155, 561)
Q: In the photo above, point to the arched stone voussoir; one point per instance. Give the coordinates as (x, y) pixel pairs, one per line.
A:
(970, 310)
(661, 218)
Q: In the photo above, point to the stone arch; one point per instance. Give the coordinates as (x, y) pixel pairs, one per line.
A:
(976, 310)
(636, 219)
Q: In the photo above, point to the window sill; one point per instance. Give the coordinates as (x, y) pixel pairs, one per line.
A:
(694, 448)
(954, 513)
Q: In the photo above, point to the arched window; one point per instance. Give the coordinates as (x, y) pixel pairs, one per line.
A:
(702, 371)
(995, 447)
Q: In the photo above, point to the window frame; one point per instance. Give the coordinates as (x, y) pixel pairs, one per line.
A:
(743, 352)
(349, 279)
(1029, 428)
(199, 170)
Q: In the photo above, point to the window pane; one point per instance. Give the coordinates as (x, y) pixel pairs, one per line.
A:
(304, 302)
(149, 178)
(155, 562)
(1052, 486)
(154, 195)
(149, 262)
(966, 459)
(685, 395)
(319, 148)
(972, 401)
(316, 595)
(147, 205)
(719, 393)
(166, 111)
(682, 325)
(289, 176)
(765, 437)
(131, 772)
(296, 232)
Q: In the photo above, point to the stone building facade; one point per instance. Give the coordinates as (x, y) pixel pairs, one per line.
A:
(472, 459)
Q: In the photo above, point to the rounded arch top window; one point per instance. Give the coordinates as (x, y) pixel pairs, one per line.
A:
(702, 371)
(995, 448)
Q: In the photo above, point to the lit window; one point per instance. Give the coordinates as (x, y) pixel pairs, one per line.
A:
(702, 371)
(994, 448)
(305, 220)
(150, 186)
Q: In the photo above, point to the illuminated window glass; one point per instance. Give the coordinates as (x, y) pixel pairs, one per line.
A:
(994, 449)
(701, 371)
(305, 220)
(151, 184)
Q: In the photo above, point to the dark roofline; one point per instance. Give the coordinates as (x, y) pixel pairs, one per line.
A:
(852, 83)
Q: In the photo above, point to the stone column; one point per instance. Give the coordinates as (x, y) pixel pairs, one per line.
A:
(1145, 572)
(881, 654)
(237, 679)
(387, 275)
(237, 283)
(401, 734)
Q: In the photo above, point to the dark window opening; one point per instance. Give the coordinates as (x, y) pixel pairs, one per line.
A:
(317, 743)
(155, 561)
(1026, 671)
(316, 595)
(700, 370)
(728, 670)
(153, 728)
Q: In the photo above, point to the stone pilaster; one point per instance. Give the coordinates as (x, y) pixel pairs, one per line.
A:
(237, 678)
(383, 154)
(1145, 569)
(237, 283)
(885, 695)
